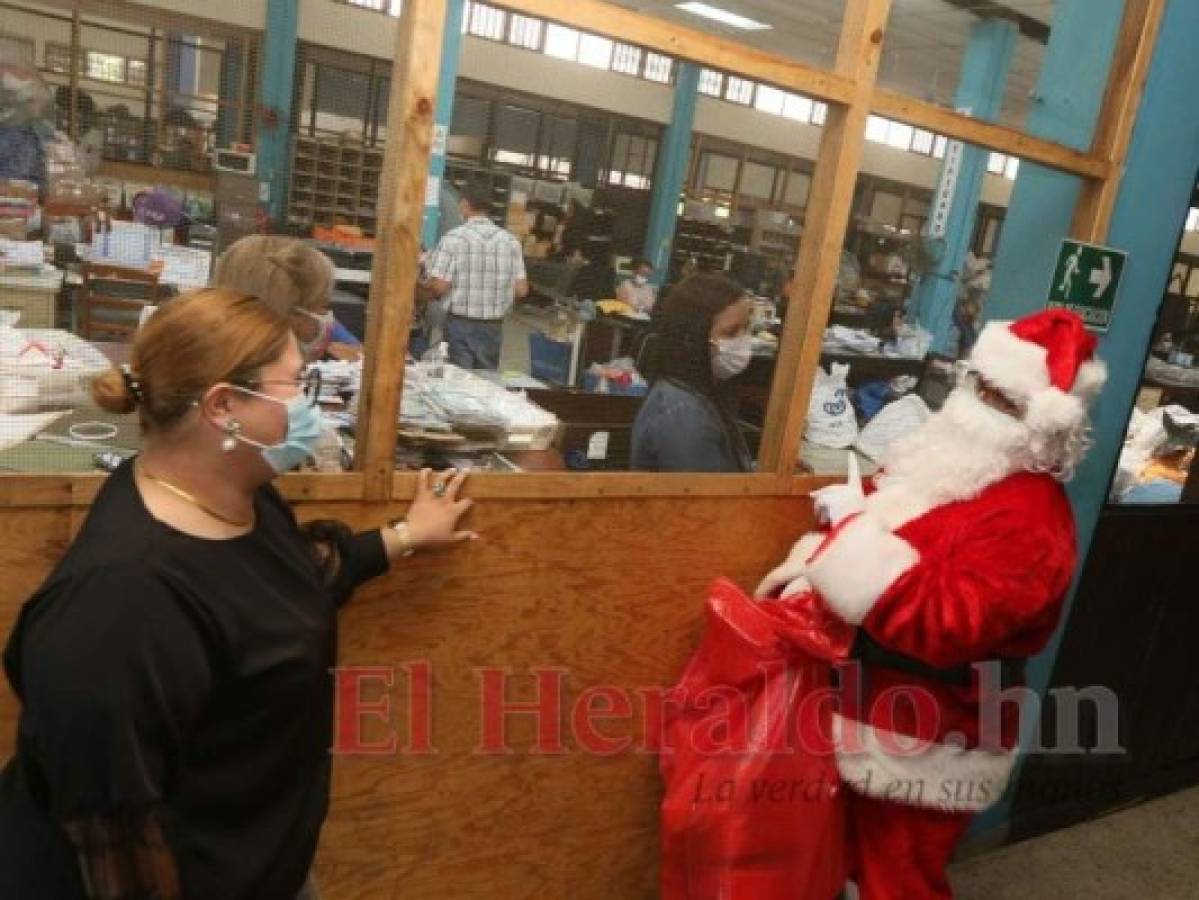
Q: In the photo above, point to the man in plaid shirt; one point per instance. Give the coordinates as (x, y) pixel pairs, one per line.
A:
(479, 268)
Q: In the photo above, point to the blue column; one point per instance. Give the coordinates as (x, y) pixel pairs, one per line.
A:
(980, 93)
(1066, 107)
(278, 83)
(674, 152)
(451, 55)
(1152, 205)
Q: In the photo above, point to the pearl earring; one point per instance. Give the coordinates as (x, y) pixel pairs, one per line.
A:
(232, 430)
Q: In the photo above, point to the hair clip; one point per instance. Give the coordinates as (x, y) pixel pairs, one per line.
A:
(132, 384)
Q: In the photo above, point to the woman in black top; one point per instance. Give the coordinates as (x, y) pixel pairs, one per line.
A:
(173, 669)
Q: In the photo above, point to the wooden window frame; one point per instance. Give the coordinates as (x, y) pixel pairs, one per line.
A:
(850, 92)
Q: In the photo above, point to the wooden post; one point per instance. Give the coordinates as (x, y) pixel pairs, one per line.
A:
(402, 202)
(811, 291)
(1126, 84)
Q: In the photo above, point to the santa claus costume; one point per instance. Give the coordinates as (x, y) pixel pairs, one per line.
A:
(962, 554)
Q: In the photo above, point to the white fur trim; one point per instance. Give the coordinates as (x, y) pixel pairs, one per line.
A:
(1089, 381)
(900, 768)
(858, 567)
(1017, 367)
(1052, 410)
(897, 503)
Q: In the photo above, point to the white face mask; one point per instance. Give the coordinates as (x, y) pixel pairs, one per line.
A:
(732, 356)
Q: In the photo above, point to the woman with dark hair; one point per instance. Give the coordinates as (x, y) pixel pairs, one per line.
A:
(700, 341)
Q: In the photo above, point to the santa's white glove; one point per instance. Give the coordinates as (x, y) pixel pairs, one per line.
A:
(837, 502)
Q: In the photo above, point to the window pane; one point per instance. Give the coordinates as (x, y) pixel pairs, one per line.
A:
(739, 90)
(487, 21)
(770, 100)
(876, 129)
(525, 32)
(922, 141)
(820, 114)
(720, 172)
(1012, 168)
(658, 67)
(17, 49)
(798, 186)
(626, 59)
(995, 163)
(939, 146)
(58, 58)
(595, 51)
(886, 208)
(561, 42)
(757, 181)
(1193, 220)
(798, 108)
(899, 136)
(105, 66)
(711, 83)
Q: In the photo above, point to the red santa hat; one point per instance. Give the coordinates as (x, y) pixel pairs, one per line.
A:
(1045, 363)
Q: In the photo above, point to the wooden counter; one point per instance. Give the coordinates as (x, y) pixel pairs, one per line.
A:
(609, 590)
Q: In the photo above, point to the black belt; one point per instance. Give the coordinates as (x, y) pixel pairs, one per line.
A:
(473, 319)
(872, 653)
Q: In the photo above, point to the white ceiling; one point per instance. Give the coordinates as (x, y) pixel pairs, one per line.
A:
(926, 40)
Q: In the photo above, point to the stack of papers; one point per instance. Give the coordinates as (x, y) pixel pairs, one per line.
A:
(29, 255)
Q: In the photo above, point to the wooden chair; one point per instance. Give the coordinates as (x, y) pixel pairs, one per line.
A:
(111, 300)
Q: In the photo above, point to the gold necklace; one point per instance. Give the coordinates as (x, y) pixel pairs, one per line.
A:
(184, 495)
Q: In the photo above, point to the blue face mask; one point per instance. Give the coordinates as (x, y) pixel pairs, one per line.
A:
(303, 433)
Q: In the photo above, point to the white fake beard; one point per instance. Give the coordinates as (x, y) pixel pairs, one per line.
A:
(961, 450)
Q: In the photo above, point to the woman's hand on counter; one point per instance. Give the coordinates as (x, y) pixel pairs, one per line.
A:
(436, 512)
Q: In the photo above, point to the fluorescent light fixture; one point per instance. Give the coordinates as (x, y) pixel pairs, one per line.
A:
(723, 16)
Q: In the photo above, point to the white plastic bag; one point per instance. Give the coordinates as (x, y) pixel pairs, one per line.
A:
(831, 418)
(893, 422)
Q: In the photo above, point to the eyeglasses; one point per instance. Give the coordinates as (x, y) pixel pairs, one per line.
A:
(309, 384)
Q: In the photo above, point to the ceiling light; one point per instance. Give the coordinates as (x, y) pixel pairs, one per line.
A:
(723, 16)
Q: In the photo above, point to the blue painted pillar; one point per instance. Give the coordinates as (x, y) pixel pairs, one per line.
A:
(1066, 107)
(1152, 205)
(674, 152)
(451, 56)
(278, 83)
(980, 93)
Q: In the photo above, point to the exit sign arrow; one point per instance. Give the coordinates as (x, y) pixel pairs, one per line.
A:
(1102, 278)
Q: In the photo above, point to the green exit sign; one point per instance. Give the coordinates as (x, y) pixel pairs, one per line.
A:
(1086, 281)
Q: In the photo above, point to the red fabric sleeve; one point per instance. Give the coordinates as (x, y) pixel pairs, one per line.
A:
(996, 589)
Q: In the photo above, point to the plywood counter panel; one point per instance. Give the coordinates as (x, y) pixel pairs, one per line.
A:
(610, 591)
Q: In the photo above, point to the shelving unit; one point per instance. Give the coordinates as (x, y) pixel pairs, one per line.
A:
(499, 183)
(334, 181)
(709, 243)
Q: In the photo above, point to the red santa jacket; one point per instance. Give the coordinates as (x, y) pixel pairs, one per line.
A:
(947, 584)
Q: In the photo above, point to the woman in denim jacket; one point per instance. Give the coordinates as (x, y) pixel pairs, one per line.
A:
(699, 342)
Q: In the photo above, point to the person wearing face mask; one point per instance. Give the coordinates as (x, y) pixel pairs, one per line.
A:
(637, 292)
(295, 280)
(700, 341)
(174, 668)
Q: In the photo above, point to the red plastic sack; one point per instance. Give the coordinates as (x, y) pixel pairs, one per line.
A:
(753, 808)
